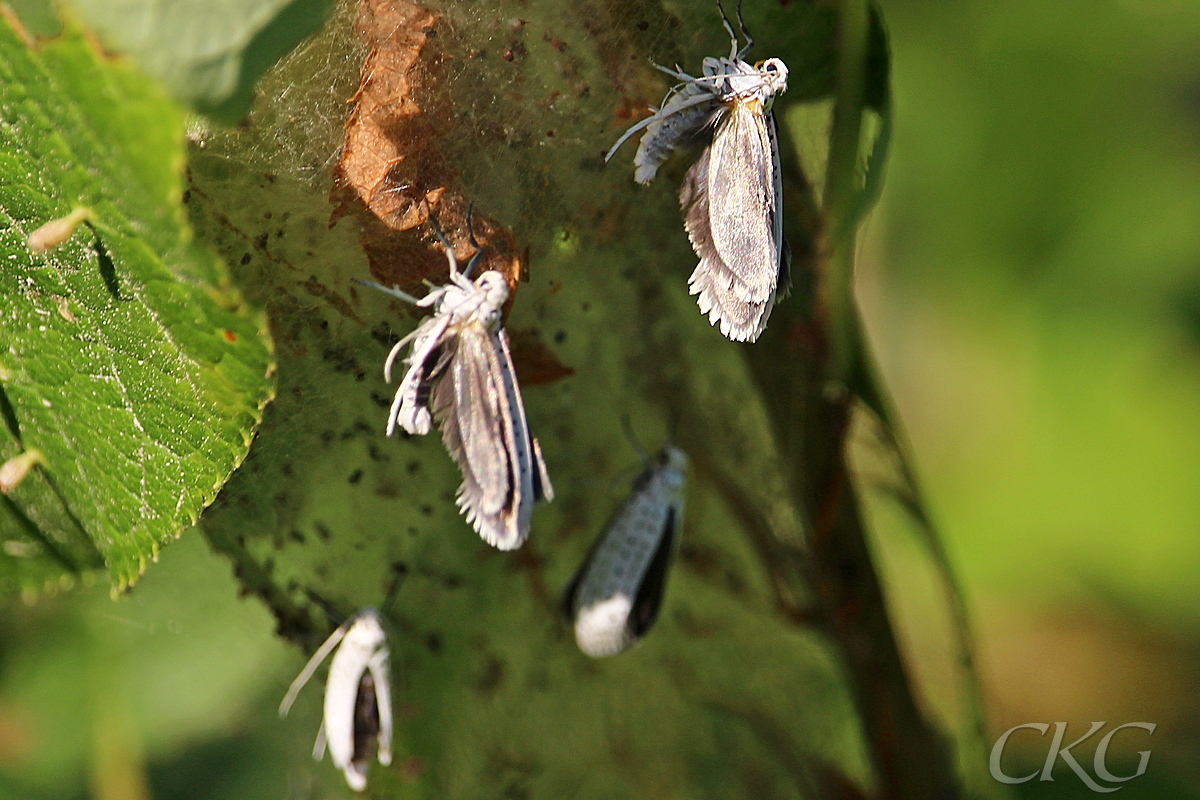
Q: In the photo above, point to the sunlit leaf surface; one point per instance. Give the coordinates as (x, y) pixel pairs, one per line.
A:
(126, 357)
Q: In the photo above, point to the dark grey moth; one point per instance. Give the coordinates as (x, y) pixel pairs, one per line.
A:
(358, 697)
(460, 374)
(732, 196)
(616, 594)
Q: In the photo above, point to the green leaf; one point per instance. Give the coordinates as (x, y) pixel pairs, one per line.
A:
(127, 359)
(498, 698)
(209, 54)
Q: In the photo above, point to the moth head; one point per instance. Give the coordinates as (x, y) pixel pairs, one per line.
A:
(365, 631)
(495, 291)
(674, 462)
(775, 73)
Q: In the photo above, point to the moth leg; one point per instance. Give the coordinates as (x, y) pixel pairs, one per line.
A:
(647, 122)
(686, 79)
(319, 745)
(733, 50)
(676, 73)
(660, 115)
(416, 361)
(395, 351)
(745, 32)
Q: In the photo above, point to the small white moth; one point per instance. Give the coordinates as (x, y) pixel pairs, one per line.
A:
(460, 374)
(616, 594)
(358, 697)
(732, 196)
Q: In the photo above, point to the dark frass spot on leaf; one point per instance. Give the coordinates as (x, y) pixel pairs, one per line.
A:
(491, 675)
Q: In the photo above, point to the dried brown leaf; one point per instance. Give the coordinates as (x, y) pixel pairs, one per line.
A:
(392, 175)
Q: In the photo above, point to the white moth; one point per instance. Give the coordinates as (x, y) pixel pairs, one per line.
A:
(732, 196)
(615, 596)
(460, 374)
(358, 697)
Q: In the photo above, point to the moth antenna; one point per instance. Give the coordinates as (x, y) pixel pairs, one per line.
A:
(745, 33)
(673, 427)
(399, 573)
(441, 237)
(470, 227)
(393, 291)
(627, 427)
(330, 610)
(475, 259)
(322, 653)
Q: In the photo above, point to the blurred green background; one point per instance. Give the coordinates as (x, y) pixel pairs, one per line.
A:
(1031, 284)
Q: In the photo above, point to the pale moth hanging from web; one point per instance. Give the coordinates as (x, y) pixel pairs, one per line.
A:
(616, 594)
(732, 196)
(460, 374)
(358, 697)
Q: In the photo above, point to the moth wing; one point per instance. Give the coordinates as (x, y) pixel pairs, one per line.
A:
(649, 597)
(530, 481)
(366, 728)
(379, 666)
(784, 276)
(410, 405)
(341, 694)
(741, 194)
(356, 776)
(466, 404)
(486, 432)
(712, 280)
